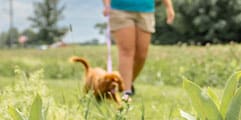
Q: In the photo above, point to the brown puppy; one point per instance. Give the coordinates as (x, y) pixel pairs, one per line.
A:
(103, 84)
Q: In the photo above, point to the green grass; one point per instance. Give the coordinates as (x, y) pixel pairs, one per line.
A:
(165, 64)
(160, 102)
(158, 87)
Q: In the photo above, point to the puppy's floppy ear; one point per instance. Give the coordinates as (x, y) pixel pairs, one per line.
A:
(118, 78)
(115, 77)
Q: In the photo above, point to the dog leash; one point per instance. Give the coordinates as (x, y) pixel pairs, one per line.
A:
(108, 42)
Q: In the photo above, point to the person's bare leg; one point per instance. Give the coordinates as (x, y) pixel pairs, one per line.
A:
(142, 44)
(125, 40)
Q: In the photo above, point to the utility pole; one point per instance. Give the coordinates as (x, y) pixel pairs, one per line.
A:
(10, 41)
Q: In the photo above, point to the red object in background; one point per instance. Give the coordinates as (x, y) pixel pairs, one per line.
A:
(22, 39)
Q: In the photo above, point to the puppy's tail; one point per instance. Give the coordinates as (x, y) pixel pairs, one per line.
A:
(81, 60)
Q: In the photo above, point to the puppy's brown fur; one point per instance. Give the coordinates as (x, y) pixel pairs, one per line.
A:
(102, 83)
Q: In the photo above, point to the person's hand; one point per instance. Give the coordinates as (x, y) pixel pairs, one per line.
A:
(170, 15)
(106, 11)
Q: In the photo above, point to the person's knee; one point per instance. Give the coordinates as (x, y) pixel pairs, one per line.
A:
(127, 52)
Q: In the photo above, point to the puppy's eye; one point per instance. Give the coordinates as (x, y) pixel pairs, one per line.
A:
(115, 79)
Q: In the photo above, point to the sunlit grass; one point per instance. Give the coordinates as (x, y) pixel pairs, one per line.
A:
(159, 88)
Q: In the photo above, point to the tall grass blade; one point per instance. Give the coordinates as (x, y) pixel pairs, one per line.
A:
(234, 107)
(45, 113)
(214, 97)
(15, 114)
(187, 116)
(229, 92)
(142, 111)
(36, 109)
(87, 110)
(202, 103)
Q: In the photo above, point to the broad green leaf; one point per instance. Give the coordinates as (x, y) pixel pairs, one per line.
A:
(36, 110)
(234, 107)
(214, 97)
(229, 92)
(15, 114)
(187, 116)
(202, 103)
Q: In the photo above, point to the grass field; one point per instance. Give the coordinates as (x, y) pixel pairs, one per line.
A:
(159, 87)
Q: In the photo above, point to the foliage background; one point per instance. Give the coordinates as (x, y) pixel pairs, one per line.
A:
(197, 22)
(200, 22)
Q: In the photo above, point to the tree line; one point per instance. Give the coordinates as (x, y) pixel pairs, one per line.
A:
(44, 25)
(197, 22)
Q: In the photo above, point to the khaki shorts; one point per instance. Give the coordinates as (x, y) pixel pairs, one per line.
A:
(120, 19)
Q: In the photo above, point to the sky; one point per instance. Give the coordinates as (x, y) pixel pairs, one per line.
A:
(81, 14)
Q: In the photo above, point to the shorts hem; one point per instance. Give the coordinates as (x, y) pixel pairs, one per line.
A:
(113, 29)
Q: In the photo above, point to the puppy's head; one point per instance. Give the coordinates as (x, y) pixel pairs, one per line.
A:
(114, 81)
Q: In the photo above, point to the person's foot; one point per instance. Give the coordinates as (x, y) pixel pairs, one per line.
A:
(128, 93)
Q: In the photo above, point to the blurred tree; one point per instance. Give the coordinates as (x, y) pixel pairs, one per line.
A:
(101, 27)
(93, 41)
(3, 39)
(200, 22)
(5, 36)
(47, 14)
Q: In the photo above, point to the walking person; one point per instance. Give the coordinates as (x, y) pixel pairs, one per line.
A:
(132, 22)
